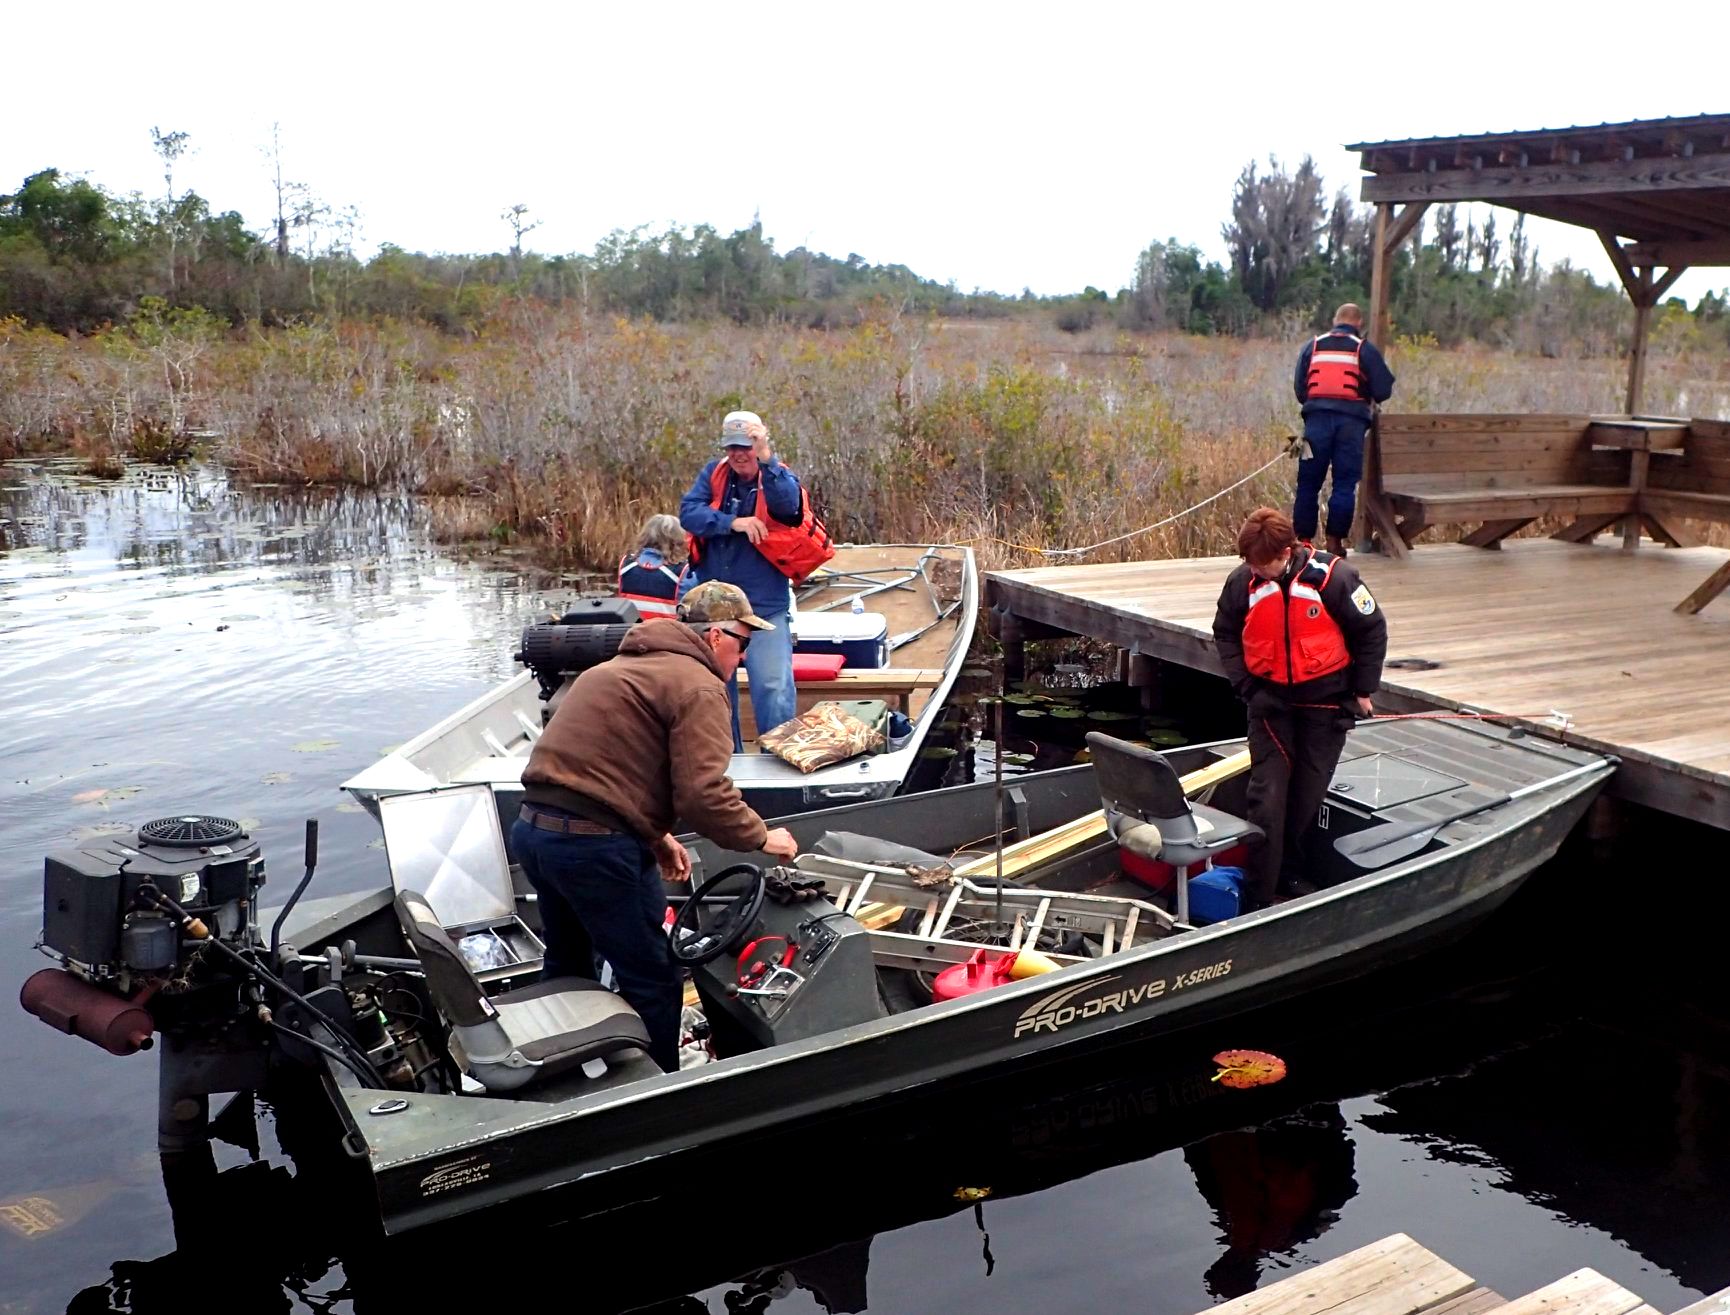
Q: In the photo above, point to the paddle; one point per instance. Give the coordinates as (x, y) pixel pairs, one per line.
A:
(1391, 841)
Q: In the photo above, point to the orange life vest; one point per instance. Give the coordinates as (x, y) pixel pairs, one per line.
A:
(654, 589)
(1336, 368)
(1291, 637)
(793, 550)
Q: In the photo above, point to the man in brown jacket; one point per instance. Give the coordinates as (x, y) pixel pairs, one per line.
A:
(636, 743)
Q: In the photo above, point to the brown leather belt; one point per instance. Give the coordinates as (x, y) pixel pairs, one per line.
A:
(570, 826)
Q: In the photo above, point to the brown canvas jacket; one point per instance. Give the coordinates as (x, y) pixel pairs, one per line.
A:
(649, 735)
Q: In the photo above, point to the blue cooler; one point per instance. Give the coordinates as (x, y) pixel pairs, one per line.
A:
(862, 639)
(1214, 894)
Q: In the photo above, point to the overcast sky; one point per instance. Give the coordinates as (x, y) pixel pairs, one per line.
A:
(999, 145)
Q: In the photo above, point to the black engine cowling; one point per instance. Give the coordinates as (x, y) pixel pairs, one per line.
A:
(91, 912)
(585, 636)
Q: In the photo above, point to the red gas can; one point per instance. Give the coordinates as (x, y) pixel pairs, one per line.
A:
(987, 968)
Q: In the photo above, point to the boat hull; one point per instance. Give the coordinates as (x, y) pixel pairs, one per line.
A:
(445, 1156)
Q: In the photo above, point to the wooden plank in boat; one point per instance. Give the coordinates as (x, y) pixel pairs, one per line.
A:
(1394, 1276)
(1584, 1292)
(1027, 854)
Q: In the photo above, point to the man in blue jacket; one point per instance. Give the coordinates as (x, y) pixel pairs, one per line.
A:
(1339, 376)
(724, 513)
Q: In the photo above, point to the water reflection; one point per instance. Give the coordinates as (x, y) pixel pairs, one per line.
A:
(172, 641)
(1271, 1188)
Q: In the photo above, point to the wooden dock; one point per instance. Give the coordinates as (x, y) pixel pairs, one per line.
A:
(1538, 625)
(1396, 1276)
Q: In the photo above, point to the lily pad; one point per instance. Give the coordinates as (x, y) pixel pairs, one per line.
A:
(1068, 714)
(388, 749)
(937, 753)
(1016, 759)
(277, 778)
(350, 807)
(1108, 715)
(315, 746)
(104, 797)
(1161, 739)
(1029, 713)
(96, 829)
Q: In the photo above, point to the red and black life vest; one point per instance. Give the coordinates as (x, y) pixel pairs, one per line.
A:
(1289, 636)
(1336, 369)
(793, 550)
(653, 588)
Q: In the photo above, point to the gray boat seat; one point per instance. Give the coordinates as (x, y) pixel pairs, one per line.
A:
(520, 1036)
(1148, 813)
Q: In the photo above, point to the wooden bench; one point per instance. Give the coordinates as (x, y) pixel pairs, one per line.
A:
(904, 689)
(1503, 472)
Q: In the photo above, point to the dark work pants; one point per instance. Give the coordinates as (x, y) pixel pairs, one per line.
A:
(602, 896)
(1293, 753)
(1335, 439)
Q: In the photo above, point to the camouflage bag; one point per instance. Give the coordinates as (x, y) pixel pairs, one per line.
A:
(825, 735)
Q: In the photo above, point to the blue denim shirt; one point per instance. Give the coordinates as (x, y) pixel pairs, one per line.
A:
(728, 555)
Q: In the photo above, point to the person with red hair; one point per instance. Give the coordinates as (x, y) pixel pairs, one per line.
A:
(1302, 641)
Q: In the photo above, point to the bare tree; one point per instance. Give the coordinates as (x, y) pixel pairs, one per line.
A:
(1276, 219)
(1489, 247)
(517, 216)
(170, 146)
(307, 215)
(273, 157)
(1448, 235)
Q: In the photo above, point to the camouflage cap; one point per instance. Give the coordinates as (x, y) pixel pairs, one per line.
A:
(715, 601)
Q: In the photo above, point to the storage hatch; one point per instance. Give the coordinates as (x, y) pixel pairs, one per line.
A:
(1377, 781)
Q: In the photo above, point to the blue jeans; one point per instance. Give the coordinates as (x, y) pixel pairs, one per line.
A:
(1335, 439)
(601, 896)
(769, 659)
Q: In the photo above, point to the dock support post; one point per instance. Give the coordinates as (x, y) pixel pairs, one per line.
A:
(1144, 677)
(1012, 639)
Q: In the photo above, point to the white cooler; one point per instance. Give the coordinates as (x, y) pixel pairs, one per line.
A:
(862, 639)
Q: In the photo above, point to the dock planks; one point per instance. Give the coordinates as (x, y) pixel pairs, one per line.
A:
(1394, 1276)
(1533, 626)
(1397, 1276)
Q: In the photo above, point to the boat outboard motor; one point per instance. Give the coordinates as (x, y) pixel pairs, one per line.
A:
(583, 637)
(130, 966)
(158, 933)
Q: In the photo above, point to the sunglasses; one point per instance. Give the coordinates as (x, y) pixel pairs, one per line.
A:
(743, 637)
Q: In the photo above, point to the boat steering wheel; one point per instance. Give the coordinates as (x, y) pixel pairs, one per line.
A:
(691, 944)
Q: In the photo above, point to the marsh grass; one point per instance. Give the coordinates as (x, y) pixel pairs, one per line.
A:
(564, 434)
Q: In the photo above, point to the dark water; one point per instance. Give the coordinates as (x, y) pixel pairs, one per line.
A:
(1549, 1094)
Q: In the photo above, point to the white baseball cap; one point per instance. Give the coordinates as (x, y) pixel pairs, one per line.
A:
(736, 427)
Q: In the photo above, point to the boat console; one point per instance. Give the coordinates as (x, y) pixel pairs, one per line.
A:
(786, 972)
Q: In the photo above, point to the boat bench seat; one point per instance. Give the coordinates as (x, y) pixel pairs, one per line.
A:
(520, 1036)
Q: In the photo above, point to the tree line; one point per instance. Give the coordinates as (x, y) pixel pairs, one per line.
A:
(75, 257)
